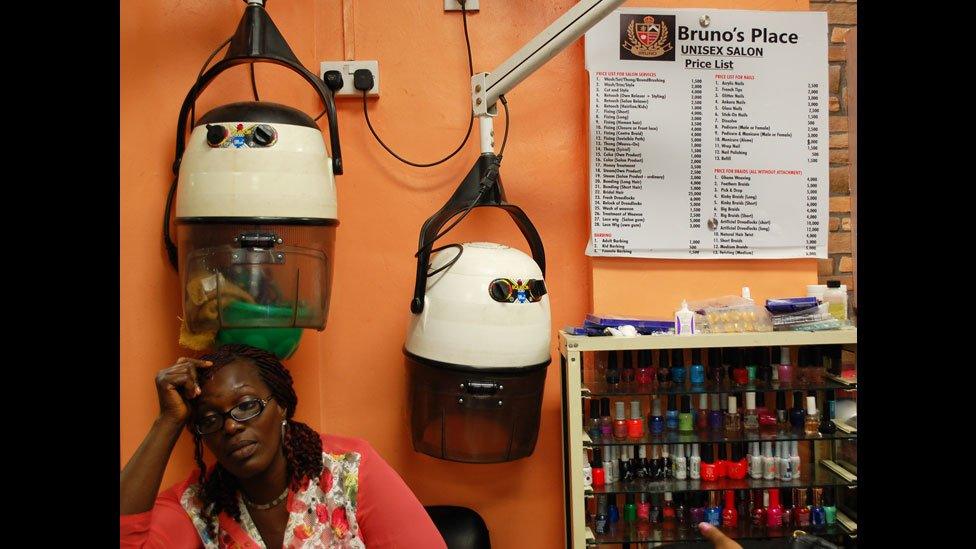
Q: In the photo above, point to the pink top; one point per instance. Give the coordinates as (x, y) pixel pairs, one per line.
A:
(359, 501)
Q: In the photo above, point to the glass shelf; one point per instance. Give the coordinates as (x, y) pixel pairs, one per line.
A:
(820, 476)
(623, 532)
(673, 437)
(601, 389)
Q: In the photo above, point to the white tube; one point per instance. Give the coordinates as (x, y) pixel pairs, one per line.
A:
(485, 124)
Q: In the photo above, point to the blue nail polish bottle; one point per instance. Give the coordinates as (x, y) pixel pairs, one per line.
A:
(697, 370)
(678, 366)
(655, 422)
(671, 419)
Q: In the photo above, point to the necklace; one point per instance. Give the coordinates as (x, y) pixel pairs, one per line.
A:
(262, 506)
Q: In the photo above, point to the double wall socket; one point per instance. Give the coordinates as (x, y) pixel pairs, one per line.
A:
(454, 5)
(347, 68)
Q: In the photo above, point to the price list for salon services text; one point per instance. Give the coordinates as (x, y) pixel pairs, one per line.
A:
(708, 134)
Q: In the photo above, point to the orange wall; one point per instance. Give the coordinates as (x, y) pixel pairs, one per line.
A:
(351, 377)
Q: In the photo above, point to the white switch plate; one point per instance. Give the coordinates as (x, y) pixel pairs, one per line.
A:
(347, 68)
(454, 5)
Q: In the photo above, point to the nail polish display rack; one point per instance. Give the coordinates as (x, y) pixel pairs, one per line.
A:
(824, 464)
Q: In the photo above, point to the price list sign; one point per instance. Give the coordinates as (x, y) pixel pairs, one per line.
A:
(708, 134)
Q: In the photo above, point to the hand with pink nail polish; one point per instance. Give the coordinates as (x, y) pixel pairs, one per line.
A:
(714, 535)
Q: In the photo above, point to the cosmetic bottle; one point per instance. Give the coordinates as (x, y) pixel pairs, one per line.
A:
(774, 512)
(801, 512)
(645, 464)
(800, 377)
(787, 503)
(696, 513)
(713, 513)
(830, 510)
(680, 462)
(645, 368)
(680, 510)
(636, 461)
(730, 516)
(594, 425)
(613, 513)
(818, 517)
(613, 373)
(628, 375)
(750, 418)
(764, 371)
(836, 299)
(743, 505)
(596, 467)
(775, 360)
(811, 425)
(696, 372)
(785, 369)
(657, 464)
(606, 424)
(738, 466)
(707, 469)
(721, 462)
(643, 508)
(686, 423)
(815, 375)
(625, 470)
(701, 415)
(630, 509)
(694, 463)
(654, 515)
(667, 465)
(798, 414)
(601, 523)
(755, 462)
(767, 418)
(671, 417)
(587, 471)
(716, 373)
(740, 376)
(664, 368)
(678, 367)
(635, 425)
(752, 364)
(655, 423)
(770, 466)
(785, 464)
(667, 511)
(619, 421)
(827, 426)
(733, 421)
(715, 417)
(795, 458)
(611, 465)
(782, 415)
(759, 512)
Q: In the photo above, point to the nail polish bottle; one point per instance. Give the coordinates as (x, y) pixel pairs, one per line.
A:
(749, 455)
(594, 426)
(774, 361)
(668, 510)
(733, 421)
(644, 471)
(696, 513)
(587, 472)
(716, 373)
(802, 366)
(624, 469)
(645, 369)
(680, 462)
(686, 423)
(636, 462)
(797, 413)
(656, 463)
(664, 368)
(635, 425)
(667, 465)
(767, 419)
(630, 509)
(795, 458)
(671, 417)
(755, 462)
(610, 464)
(750, 418)
(619, 421)
(707, 469)
(694, 463)
(697, 370)
(827, 426)
(787, 503)
(654, 516)
(613, 373)
(818, 517)
(656, 420)
(721, 462)
(680, 510)
(715, 416)
(743, 504)
(602, 520)
(774, 512)
(643, 508)
(764, 371)
(759, 511)
(713, 513)
(740, 376)
(678, 367)
(724, 402)
(599, 475)
(701, 415)
(752, 364)
(770, 466)
(818, 368)
(801, 512)
(613, 513)
(830, 510)
(738, 466)
(628, 375)
(785, 464)
(606, 423)
(730, 516)
(811, 425)
(785, 369)
(782, 415)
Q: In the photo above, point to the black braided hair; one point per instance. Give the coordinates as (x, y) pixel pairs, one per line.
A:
(302, 445)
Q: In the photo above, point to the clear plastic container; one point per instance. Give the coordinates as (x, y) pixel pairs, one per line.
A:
(836, 298)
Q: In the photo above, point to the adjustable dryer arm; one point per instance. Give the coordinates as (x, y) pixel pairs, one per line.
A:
(487, 86)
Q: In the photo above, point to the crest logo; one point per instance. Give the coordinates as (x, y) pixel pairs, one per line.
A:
(647, 37)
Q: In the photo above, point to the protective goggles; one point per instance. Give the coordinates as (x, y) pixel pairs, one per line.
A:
(504, 290)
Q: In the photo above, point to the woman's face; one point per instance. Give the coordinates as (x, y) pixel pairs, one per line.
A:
(244, 448)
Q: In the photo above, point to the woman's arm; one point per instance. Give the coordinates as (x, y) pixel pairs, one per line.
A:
(167, 525)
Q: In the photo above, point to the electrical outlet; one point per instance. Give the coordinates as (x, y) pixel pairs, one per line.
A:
(347, 68)
(454, 5)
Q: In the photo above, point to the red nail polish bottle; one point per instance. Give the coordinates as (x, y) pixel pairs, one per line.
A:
(708, 469)
(701, 416)
(788, 509)
(645, 369)
(628, 374)
(740, 375)
(801, 512)
(599, 476)
(635, 425)
(643, 508)
(730, 517)
(774, 513)
(619, 421)
(738, 466)
(721, 462)
(759, 512)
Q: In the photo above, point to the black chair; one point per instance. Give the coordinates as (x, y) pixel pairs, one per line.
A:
(462, 528)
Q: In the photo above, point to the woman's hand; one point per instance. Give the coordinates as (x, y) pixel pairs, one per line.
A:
(714, 535)
(176, 386)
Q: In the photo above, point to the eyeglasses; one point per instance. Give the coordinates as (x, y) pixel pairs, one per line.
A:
(505, 291)
(249, 409)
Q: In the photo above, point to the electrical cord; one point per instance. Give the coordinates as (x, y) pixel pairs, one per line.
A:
(467, 134)
(254, 86)
(193, 107)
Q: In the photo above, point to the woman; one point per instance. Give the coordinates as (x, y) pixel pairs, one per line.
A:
(276, 483)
